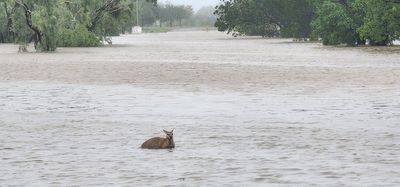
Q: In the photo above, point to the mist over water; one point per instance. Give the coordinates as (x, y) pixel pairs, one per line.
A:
(196, 4)
(307, 129)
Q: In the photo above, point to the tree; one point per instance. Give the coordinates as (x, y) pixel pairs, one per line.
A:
(7, 10)
(41, 17)
(355, 21)
(40, 21)
(172, 14)
(204, 17)
(287, 18)
(296, 17)
(182, 12)
(148, 14)
(102, 17)
(381, 22)
(334, 24)
(22, 33)
(3, 24)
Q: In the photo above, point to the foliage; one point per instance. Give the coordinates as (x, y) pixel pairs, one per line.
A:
(351, 22)
(6, 12)
(204, 17)
(334, 24)
(73, 23)
(24, 21)
(103, 17)
(173, 14)
(227, 19)
(52, 23)
(356, 21)
(45, 17)
(78, 37)
(42, 18)
(381, 22)
(149, 14)
(156, 29)
(22, 33)
(165, 15)
(3, 25)
(296, 16)
(288, 18)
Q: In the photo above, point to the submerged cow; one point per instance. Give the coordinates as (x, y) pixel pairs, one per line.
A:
(160, 143)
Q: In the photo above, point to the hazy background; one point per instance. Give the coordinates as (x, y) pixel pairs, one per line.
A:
(196, 4)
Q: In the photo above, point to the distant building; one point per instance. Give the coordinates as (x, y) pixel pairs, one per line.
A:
(137, 30)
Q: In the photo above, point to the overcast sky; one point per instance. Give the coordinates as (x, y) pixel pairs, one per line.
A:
(196, 4)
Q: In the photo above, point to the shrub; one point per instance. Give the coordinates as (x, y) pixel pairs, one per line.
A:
(78, 37)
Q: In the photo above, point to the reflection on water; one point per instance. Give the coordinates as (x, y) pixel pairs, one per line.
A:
(64, 134)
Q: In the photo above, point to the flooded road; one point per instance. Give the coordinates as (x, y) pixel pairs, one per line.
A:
(246, 111)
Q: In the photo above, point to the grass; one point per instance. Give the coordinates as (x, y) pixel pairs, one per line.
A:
(156, 29)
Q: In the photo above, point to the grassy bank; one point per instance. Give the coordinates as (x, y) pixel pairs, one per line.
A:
(156, 29)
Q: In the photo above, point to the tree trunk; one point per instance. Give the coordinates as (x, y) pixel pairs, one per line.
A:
(9, 35)
(28, 18)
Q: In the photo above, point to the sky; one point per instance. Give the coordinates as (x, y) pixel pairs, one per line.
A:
(196, 4)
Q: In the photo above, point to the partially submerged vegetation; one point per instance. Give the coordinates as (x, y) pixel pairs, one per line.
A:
(77, 37)
(82, 23)
(169, 15)
(351, 22)
(51, 24)
(156, 29)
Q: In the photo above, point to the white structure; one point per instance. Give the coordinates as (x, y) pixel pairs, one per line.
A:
(137, 30)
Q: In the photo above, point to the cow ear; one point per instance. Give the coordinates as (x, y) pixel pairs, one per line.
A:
(172, 130)
(165, 131)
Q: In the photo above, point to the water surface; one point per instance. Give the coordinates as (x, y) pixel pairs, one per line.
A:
(307, 129)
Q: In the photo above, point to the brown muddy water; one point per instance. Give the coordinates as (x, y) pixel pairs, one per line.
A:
(246, 111)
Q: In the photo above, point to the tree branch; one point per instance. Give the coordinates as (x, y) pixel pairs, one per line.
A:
(28, 18)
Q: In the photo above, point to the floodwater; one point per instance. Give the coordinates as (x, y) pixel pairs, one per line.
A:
(246, 111)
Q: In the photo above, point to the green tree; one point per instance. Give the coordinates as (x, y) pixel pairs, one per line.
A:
(7, 10)
(172, 14)
(3, 24)
(95, 13)
(148, 14)
(335, 25)
(22, 33)
(296, 17)
(286, 18)
(230, 17)
(41, 16)
(77, 37)
(40, 21)
(381, 22)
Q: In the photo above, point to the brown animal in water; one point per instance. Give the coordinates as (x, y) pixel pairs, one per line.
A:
(160, 143)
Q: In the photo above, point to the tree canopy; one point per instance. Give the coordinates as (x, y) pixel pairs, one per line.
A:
(52, 23)
(169, 15)
(350, 22)
(267, 18)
